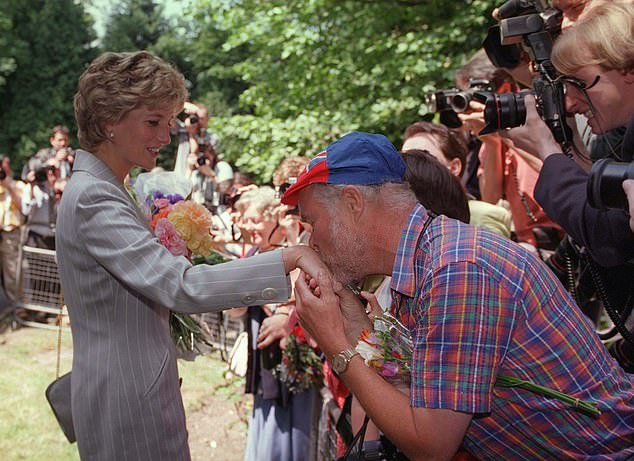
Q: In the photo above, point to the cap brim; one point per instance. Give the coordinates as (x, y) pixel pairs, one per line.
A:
(317, 174)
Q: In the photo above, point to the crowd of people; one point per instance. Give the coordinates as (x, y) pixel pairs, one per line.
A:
(481, 246)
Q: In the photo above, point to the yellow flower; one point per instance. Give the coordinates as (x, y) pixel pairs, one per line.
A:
(193, 222)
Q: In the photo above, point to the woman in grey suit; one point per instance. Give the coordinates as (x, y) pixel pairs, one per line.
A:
(119, 282)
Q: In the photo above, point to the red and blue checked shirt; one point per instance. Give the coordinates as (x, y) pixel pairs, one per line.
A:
(479, 305)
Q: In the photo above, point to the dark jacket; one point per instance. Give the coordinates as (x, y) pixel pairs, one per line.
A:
(561, 190)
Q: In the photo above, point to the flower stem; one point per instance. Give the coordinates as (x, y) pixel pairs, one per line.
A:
(589, 408)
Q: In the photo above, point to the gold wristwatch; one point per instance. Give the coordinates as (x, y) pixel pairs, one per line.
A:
(341, 360)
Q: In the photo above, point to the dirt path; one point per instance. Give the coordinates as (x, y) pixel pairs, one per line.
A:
(216, 431)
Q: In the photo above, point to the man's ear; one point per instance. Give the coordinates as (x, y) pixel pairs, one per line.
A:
(353, 201)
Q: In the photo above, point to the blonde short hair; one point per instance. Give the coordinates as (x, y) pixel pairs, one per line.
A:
(605, 37)
(263, 199)
(117, 83)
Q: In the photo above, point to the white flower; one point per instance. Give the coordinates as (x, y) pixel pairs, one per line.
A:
(367, 352)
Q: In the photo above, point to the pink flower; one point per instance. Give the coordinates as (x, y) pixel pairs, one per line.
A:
(169, 237)
(161, 203)
(389, 369)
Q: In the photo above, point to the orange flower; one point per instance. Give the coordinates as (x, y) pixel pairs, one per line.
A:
(193, 222)
(163, 213)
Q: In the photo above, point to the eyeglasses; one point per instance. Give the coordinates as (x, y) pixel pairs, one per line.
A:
(580, 84)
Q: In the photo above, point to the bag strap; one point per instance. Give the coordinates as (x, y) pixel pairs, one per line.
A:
(357, 441)
(59, 332)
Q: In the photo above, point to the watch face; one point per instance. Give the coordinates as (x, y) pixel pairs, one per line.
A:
(339, 363)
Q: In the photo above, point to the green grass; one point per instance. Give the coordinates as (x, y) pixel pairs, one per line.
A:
(28, 429)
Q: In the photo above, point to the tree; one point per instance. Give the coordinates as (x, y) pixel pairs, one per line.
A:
(134, 25)
(48, 58)
(317, 69)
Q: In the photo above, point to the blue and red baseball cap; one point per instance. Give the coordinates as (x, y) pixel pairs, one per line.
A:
(356, 158)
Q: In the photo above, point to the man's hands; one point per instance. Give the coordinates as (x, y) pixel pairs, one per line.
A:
(534, 136)
(319, 312)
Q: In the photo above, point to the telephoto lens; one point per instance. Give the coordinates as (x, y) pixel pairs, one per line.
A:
(605, 184)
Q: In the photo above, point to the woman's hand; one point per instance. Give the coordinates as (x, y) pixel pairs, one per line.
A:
(273, 329)
(304, 258)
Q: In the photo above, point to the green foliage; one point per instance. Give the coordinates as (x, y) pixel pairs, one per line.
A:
(320, 68)
(46, 59)
(134, 25)
(280, 77)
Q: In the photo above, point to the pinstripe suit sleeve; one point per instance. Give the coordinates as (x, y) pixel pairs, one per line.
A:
(115, 236)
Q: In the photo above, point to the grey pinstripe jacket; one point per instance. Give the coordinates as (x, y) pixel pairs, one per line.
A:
(119, 282)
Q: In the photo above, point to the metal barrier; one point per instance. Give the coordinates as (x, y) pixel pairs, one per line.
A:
(39, 289)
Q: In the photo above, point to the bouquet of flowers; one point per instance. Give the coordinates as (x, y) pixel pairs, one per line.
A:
(301, 367)
(388, 350)
(183, 227)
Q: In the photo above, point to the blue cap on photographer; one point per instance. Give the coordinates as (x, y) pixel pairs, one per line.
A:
(356, 158)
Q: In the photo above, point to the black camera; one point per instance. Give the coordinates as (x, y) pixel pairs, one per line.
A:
(449, 103)
(455, 99)
(193, 119)
(3, 175)
(201, 159)
(40, 175)
(529, 25)
(605, 184)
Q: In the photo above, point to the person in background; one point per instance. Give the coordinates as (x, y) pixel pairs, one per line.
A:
(38, 205)
(12, 220)
(211, 180)
(282, 421)
(506, 172)
(595, 57)
(59, 141)
(450, 149)
(120, 283)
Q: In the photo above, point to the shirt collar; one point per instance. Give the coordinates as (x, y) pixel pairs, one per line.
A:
(403, 280)
(85, 161)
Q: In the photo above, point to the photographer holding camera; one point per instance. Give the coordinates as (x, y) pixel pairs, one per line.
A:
(39, 205)
(11, 220)
(211, 179)
(596, 58)
(196, 121)
(596, 62)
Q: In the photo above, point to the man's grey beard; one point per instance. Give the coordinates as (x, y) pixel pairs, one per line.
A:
(348, 261)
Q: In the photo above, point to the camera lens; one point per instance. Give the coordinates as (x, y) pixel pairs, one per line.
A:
(201, 159)
(3, 174)
(605, 184)
(460, 101)
(505, 110)
(193, 119)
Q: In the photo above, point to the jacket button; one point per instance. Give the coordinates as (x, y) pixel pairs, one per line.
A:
(269, 293)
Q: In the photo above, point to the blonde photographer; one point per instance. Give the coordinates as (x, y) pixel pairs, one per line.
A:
(596, 58)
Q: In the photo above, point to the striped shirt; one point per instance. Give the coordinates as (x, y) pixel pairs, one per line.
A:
(478, 306)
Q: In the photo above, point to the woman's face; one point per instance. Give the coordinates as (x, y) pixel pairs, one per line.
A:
(612, 96)
(260, 227)
(138, 137)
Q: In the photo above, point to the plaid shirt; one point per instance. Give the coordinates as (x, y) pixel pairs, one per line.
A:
(479, 305)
